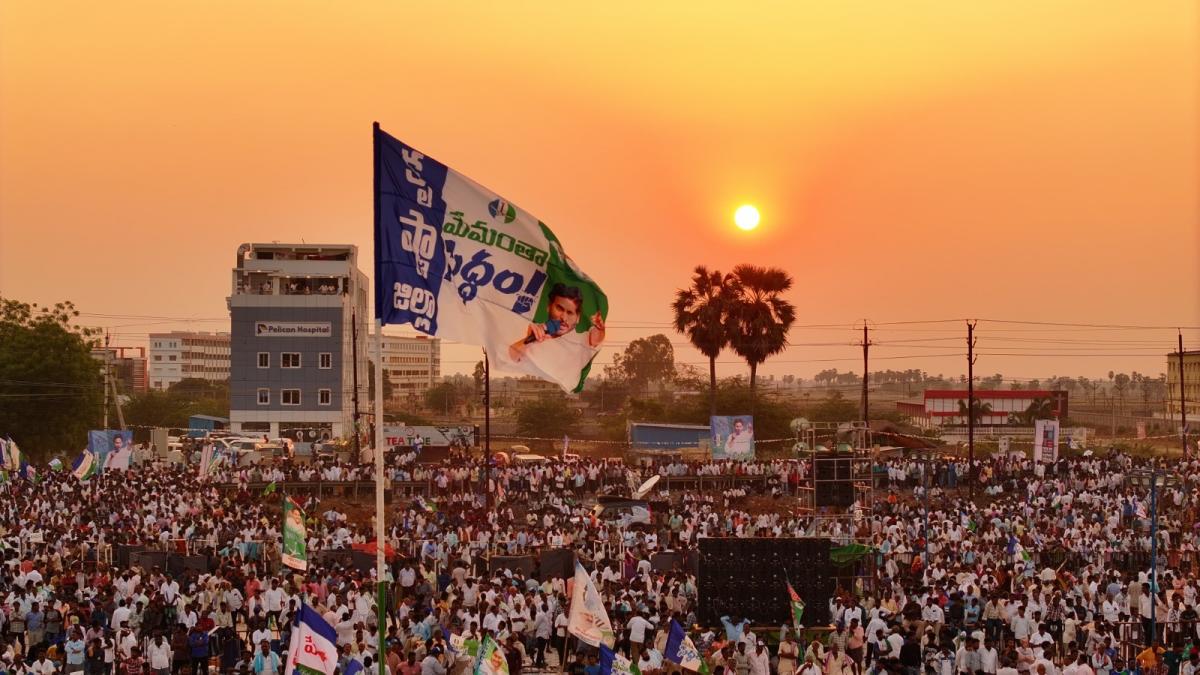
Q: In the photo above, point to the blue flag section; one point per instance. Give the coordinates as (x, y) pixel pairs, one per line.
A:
(458, 261)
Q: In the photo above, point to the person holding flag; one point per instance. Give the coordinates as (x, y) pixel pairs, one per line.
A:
(588, 620)
(313, 648)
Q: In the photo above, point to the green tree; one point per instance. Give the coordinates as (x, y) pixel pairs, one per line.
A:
(445, 397)
(387, 384)
(646, 360)
(157, 409)
(835, 408)
(51, 391)
(1039, 409)
(758, 317)
(551, 416)
(978, 409)
(700, 312)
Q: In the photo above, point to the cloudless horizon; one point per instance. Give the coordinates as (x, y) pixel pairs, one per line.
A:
(924, 161)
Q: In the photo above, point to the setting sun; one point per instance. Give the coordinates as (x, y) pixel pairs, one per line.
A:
(746, 217)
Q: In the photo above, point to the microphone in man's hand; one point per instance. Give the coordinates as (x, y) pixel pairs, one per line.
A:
(552, 327)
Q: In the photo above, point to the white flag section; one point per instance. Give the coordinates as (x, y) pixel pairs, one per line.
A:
(492, 660)
(458, 261)
(587, 620)
(314, 645)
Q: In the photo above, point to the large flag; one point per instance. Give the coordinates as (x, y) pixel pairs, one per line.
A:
(314, 645)
(491, 659)
(682, 651)
(458, 261)
(459, 645)
(612, 663)
(587, 619)
(797, 607)
(84, 466)
(12, 456)
(295, 536)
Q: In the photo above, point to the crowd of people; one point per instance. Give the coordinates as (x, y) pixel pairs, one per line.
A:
(1001, 568)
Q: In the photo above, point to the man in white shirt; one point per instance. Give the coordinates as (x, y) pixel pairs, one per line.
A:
(159, 655)
(638, 626)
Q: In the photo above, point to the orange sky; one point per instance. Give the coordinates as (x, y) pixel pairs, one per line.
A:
(919, 160)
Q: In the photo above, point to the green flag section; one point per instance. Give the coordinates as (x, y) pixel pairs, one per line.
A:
(797, 605)
(851, 553)
(491, 659)
(270, 489)
(295, 536)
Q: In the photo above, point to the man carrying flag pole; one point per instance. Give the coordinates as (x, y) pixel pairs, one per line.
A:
(797, 608)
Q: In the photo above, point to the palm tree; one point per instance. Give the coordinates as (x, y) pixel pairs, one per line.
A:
(1039, 409)
(700, 314)
(978, 409)
(759, 317)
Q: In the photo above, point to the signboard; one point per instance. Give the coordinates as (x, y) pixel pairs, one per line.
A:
(732, 437)
(460, 436)
(319, 329)
(1004, 444)
(1045, 441)
(455, 260)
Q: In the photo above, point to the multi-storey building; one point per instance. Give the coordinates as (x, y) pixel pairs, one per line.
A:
(1191, 384)
(180, 355)
(412, 365)
(292, 312)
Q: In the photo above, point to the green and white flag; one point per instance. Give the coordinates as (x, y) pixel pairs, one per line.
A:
(455, 260)
(295, 536)
(492, 660)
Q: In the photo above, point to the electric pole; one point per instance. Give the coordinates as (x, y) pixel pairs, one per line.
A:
(971, 406)
(1182, 400)
(354, 358)
(866, 345)
(105, 356)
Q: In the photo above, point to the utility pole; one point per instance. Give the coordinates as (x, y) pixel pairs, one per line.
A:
(354, 357)
(487, 430)
(866, 345)
(971, 406)
(105, 355)
(1182, 400)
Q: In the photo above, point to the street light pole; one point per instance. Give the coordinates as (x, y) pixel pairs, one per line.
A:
(1153, 553)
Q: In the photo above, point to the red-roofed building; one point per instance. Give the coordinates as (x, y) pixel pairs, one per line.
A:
(1001, 407)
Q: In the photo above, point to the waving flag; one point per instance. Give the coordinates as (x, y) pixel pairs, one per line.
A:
(314, 645)
(458, 261)
(491, 659)
(12, 456)
(612, 663)
(85, 465)
(295, 536)
(587, 619)
(681, 651)
(460, 645)
(353, 668)
(797, 607)
(210, 460)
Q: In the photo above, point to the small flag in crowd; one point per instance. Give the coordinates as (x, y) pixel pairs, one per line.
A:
(270, 489)
(85, 465)
(682, 651)
(295, 536)
(797, 607)
(587, 619)
(10, 455)
(313, 648)
(210, 459)
(426, 505)
(612, 663)
(355, 666)
(461, 645)
(492, 660)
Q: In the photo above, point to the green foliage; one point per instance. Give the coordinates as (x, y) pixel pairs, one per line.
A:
(445, 397)
(835, 408)
(552, 416)
(758, 316)
(387, 383)
(172, 408)
(700, 313)
(646, 360)
(51, 391)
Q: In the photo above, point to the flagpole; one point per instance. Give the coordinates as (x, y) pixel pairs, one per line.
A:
(380, 546)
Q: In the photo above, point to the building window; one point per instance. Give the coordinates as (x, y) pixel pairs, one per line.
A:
(326, 361)
(324, 396)
(289, 397)
(158, 357)
(171, 357)
(264, 397)
(264, 359)
(289, 360)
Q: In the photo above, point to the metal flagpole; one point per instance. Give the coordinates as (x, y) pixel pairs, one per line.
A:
(380, 546)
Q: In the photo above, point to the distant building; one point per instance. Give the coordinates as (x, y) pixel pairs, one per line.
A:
(127, 365)
(180, 355)
(412, 365)
(291, 310)
(1191, 385)
(1002, 407)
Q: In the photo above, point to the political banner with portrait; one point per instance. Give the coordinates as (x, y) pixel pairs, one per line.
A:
(1045, 441)
(732, 437)
(458, 261)
(295, 536)
(111, 449)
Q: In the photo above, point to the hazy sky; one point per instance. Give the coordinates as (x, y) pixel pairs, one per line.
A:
(917, 160)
